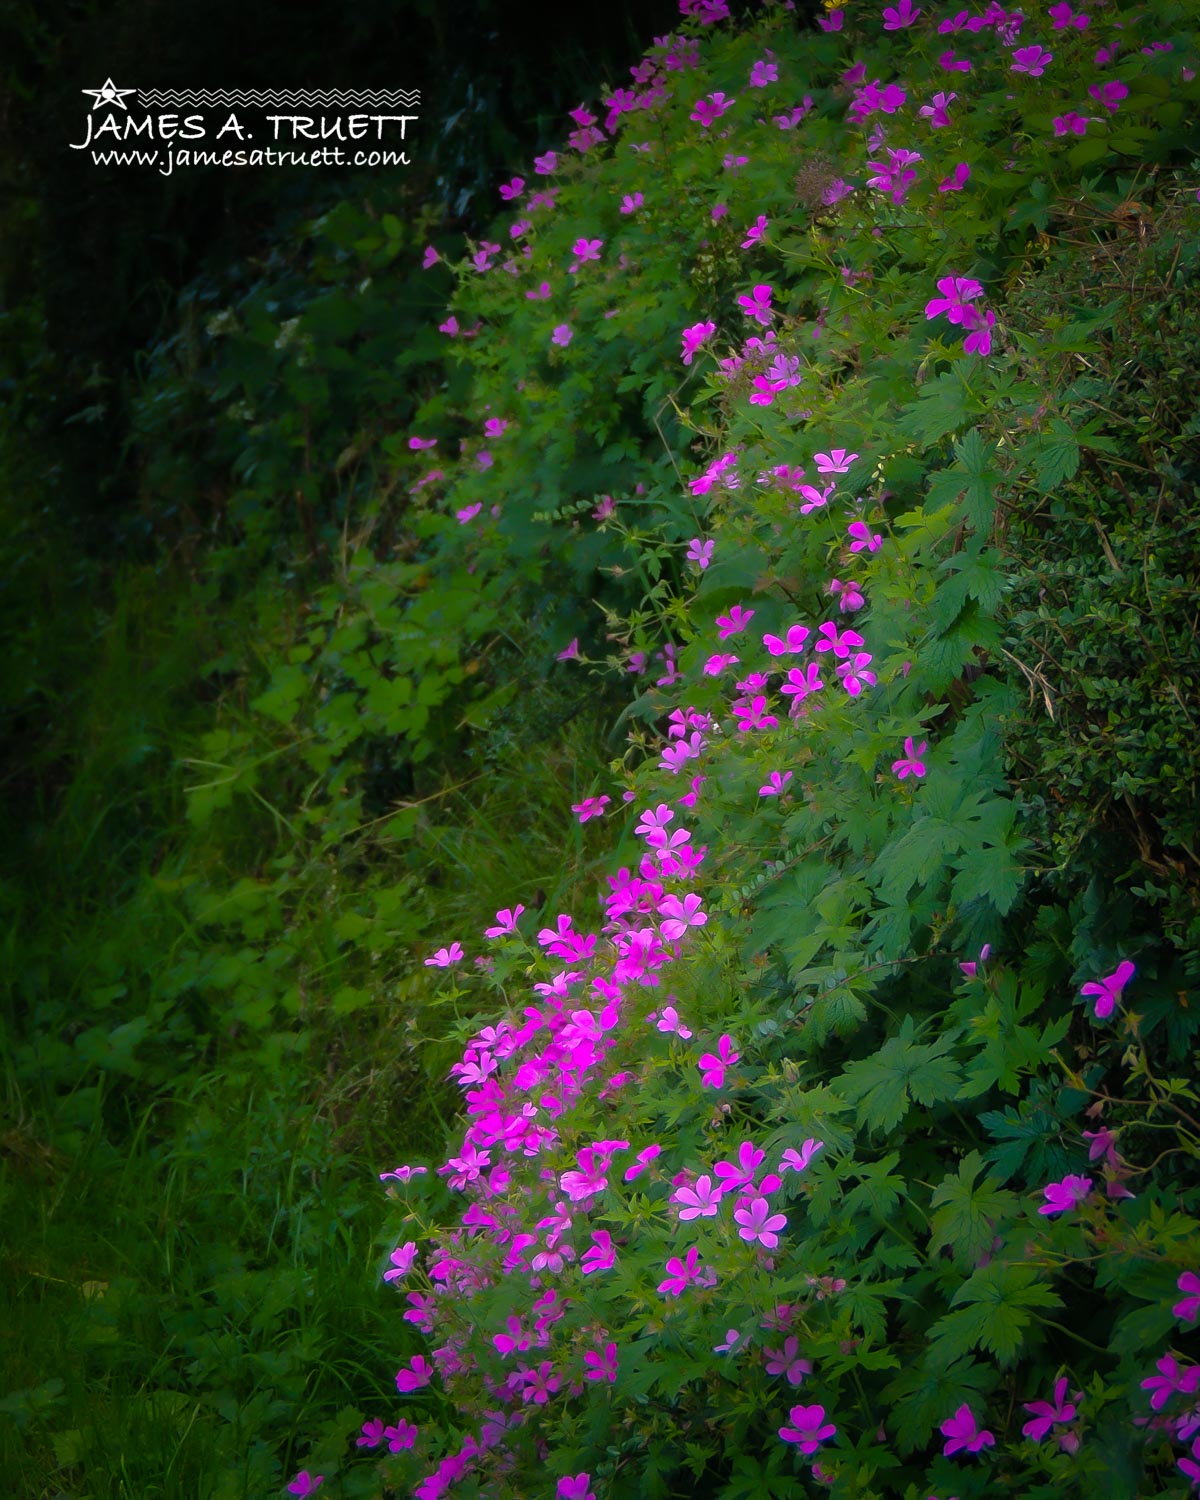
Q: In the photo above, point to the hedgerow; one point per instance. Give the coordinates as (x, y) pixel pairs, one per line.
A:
(853, 1147)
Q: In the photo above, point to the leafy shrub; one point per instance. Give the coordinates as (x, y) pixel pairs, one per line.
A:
(835, 1155)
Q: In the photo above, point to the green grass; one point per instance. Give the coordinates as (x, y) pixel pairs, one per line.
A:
(193, 1226)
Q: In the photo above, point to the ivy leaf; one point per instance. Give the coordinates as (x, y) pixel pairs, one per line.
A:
(967, 1216)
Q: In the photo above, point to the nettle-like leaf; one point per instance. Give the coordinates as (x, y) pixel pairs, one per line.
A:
(903, 1071)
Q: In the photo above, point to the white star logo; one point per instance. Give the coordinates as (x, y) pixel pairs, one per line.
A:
(108, 94)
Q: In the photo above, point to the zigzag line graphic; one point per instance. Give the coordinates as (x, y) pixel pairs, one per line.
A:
(257, 98)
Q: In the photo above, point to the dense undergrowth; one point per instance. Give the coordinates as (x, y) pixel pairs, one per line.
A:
(788, 510)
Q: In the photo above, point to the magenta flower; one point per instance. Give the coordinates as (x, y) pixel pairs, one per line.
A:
(631, 202)
(937, 111)
(430, 258)
(854, 673)
(600, 1255)
(776, 784)
(755, 232)
(1107, 991)
(403, 1435)
(681, 1273)
(1189, 1309)
(709, 110)
(1070, 124)
(864, 537)
(910, 763)
(837, 461)
(718, 662)
(444, 957)
(700, 553)
(839, 643)
(449, 327)
(957, 293)
(695, 336)
(506, 922)
(680, 914)
(752, 714)
(833, 21)
(371, 1435)
(542, 293)
(713, 1065)
(962, 1433)
(587, 249)
(1062, 16)
(757, 304)
(809, 1428)
(957, 179)
(601, 1366)
(642, 1161)
(851, 595)
(699, 1202)
(979, 340)
(402, 1260)
(562, 335)
(418, 444)
(796, 1161)
(1109, 94)
(734, 622)
(544, 165)
(789, 644)
(952, 64)
(575, 1487)
(1062, 1197)
(590, 807)
(970, 968)
(306, 1483)
(418, 1373)
(1032, 60)
(1047, 1414)
(759, 1224)
(1172, 1378)
(513, 189)
(787, 1362)
(897, 17)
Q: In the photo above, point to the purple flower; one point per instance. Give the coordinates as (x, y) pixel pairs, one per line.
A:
(957, 179)
(1031, 60)
(1070, 124)
(963, 1434)
(1189, 1309)
(1062, 1197)
(897, 17)
(759, 1224)
(734, 622)
(1047, 1414)
(306, 1483)
(910, 763)
(700, 553)
(809, 1428)
(694, 337)
(1172, 1378)
(758, 304)
(1109, 94)
(562, 335)
(1107, 991)
(957, 292)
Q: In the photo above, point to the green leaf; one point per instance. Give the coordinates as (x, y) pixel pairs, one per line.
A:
(997, 1305)
(967, 1216)
(903, 1070)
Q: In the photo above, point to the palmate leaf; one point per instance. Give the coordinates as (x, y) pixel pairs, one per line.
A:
(903, 1070)
(967, 1216)
(926, 1394)
(993, 1308)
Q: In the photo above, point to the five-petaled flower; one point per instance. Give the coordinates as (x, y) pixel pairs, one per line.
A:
(699, 1202)
(306, 1483)
(713, 1065)
(963, 1433)
(1062, 1197)
(444, 957)
(759, 1224)
(734, 622)
(910, 763)
(1047, 1414)
(809, 1428)
(957, 292)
